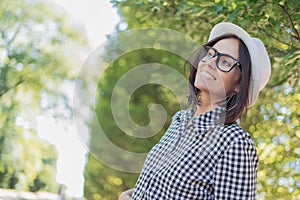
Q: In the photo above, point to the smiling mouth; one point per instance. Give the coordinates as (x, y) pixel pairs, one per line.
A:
(207, 75)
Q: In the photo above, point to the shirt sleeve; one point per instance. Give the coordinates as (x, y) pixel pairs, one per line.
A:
(236, 171)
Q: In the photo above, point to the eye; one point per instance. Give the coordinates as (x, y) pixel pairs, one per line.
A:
(211, 53)
(226, 61)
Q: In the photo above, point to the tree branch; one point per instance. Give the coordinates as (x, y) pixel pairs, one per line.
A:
(268, 34)
(15, 34)
(279, 82)
(10, 88)
(297, 37)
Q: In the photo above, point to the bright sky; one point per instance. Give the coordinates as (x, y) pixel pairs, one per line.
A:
(99, 19)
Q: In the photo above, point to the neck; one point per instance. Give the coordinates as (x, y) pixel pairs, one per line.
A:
(207, 104)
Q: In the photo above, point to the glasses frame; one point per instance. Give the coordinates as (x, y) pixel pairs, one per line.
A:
(218, 55)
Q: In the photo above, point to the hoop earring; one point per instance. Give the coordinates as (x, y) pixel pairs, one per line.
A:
(198, 98)
(231, 98)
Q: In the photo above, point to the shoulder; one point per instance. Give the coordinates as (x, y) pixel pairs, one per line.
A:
(236, 133)
(177, 115)
(239, 139)
(181, 113)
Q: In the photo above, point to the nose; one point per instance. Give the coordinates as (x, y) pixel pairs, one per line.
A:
(212, 62)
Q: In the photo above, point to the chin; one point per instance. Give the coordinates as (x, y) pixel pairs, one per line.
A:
(201, 87)
(200, 84)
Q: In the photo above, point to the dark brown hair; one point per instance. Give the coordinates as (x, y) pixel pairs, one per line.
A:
(236, 104)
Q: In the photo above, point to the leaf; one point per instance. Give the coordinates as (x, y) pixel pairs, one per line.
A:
(272, 20)
(293, 57)
(196, 9)
(277, 27)
(218, 9)
(298, 62)
(206, 4)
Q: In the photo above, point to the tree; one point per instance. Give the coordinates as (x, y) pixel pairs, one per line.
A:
(34, 51)
(273, 122)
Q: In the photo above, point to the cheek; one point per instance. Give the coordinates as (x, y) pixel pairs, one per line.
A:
(231, 82)
(199, 66)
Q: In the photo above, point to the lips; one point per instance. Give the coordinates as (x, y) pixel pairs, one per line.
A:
(207, 75)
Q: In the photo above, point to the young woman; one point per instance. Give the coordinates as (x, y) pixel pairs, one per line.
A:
(205, 154)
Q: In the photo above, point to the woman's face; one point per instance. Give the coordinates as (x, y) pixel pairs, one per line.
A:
(218, 84)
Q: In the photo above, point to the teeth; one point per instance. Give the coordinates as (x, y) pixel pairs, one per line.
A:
(207, 75)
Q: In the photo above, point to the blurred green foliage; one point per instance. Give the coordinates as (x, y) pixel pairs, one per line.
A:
(273, 121)
(33, 65)
(109, 182)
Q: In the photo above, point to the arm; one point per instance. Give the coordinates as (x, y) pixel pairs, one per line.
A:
(235, 175)
(126, 195)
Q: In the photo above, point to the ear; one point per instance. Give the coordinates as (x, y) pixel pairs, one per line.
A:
(235, 90)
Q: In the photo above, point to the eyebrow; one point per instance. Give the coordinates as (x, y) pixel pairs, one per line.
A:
(226, 54)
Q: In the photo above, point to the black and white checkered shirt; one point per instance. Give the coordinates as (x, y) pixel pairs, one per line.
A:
(199, 158)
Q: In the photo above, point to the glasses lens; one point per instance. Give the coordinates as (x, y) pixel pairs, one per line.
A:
(210, 53)
(226, 63)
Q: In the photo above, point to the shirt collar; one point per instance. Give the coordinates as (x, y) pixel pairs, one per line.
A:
(205, 121)
(209, 120)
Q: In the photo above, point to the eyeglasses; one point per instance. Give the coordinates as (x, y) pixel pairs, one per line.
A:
(224, 62)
